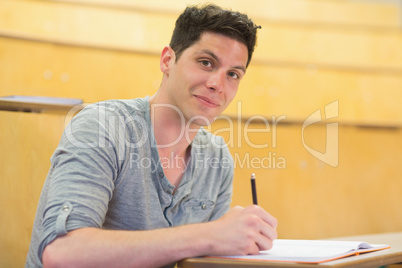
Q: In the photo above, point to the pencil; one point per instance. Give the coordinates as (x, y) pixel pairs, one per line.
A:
(254, 189)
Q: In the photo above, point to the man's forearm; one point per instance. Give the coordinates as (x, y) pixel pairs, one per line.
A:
(108, 248)
(241, 231)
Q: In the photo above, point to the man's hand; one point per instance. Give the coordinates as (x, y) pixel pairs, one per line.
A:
(243, 231)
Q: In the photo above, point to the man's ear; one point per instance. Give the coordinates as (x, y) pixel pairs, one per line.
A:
(168, 58)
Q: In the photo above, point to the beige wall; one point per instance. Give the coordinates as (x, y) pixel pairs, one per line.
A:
(310, 53)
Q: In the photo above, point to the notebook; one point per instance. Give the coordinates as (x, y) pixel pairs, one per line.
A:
(310, 251)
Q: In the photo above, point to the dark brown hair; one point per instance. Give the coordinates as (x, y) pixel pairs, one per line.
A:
(195, 21)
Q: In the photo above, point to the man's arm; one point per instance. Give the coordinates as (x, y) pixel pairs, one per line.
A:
(240, 231)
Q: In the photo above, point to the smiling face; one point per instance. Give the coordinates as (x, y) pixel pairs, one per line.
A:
(205, 79)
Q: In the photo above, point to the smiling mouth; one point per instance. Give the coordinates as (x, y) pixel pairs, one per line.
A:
(207, 101)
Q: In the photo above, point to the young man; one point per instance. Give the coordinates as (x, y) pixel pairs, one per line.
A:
(134, 183)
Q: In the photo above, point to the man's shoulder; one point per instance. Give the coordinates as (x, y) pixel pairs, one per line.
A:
(120, 106)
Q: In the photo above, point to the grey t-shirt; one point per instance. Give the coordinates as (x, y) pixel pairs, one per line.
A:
(107, 173)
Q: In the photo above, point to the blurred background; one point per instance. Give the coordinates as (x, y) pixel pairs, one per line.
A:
(317, 118)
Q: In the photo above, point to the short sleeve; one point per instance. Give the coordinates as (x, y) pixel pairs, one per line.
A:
(81, 178)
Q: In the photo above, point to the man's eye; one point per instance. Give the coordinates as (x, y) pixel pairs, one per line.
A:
(233, 75)
(206, 63)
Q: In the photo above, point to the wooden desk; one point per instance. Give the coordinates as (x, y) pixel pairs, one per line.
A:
(372, 259)
(38, 104)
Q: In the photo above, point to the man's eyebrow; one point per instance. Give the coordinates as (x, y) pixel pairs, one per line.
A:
(210, 53)
(213, 55)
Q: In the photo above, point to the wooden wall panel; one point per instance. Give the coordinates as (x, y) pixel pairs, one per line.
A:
(27, 141)
(363, 13)
(148, 32)
(340, 47)
(364, 97)
(35, 68)
(310, 198)
(90, 26)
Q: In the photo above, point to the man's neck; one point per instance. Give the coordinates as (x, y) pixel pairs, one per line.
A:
(173, 138)
(172, 132)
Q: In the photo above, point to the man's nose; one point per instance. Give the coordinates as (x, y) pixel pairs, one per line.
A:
(215, 81)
